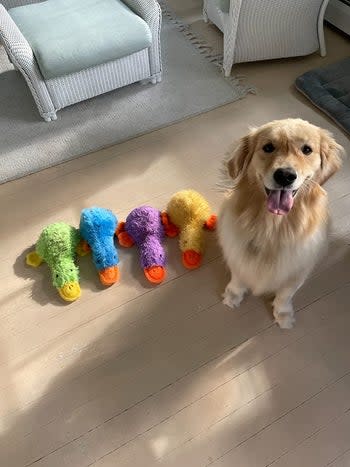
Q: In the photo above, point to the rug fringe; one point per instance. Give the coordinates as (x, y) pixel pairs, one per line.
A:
(205, 49)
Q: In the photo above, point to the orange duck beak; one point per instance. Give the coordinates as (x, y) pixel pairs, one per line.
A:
(109, 276)
(155, 274)
(70, 291)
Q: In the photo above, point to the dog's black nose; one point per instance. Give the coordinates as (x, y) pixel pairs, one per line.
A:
(284, 177)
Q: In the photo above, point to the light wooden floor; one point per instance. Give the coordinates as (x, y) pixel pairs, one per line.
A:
(136, 376)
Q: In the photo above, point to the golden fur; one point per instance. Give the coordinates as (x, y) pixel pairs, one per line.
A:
(269, 253)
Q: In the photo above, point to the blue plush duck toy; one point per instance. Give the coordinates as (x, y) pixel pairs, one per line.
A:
(97, 229)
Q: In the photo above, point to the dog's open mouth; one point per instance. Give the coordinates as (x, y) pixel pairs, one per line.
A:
(280, 201)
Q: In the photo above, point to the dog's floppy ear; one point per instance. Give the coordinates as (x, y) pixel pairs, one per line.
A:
(240, 157)
(331, 157)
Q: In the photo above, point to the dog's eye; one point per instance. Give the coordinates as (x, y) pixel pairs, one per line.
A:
(269, 147)
(306, 150)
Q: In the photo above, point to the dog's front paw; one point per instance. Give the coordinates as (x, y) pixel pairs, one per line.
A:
(232, 300)
(285, 320)
(283, 314)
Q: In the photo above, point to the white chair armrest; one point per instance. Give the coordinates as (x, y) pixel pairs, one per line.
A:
(14, 3)
(22, 56)
(16, 45)
(150, 11)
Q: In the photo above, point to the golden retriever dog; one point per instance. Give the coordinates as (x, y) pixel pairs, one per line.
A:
(274, 224)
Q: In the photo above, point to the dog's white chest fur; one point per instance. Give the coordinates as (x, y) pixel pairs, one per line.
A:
(262, 261)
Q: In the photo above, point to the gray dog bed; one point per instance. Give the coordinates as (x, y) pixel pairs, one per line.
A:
(328, 89)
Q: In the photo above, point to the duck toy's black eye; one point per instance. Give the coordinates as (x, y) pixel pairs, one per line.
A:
(306, 150)
(269, 147)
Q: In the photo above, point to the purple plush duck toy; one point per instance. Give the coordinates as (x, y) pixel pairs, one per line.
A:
(144, 227)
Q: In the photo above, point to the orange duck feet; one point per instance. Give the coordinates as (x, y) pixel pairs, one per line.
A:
(170, 229)
(210, 224)
(191, 259)
(125, 240)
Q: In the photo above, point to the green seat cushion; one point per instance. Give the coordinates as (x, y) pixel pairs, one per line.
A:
(67, 36)
(225, 5)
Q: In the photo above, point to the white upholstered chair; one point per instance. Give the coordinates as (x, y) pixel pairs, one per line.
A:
(267, 29)
(72, 50)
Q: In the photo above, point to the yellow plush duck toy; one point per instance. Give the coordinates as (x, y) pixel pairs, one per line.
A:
(188, 212)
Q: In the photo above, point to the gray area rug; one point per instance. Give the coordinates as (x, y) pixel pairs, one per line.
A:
(328, 88)
(192, 84)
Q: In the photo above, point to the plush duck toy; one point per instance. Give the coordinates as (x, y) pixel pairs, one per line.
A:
(189, 212)
(97, 229)
(144, 227)
(58, 246)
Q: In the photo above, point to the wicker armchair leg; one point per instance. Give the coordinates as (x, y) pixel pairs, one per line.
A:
(320, 28)
(205, 16)
(49, 116)
(157, 78)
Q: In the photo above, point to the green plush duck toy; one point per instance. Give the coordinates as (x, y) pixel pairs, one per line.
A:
(58, 245)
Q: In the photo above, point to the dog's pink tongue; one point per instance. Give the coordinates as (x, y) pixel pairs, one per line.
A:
(280, 201)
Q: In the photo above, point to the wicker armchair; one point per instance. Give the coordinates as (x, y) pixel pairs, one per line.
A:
(53, 94)
(267, 29)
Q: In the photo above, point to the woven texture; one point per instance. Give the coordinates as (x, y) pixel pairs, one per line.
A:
(21, 55)
(267, 30)
(150, 11)
(14, 3)
(191, 84)
(55, 94)
(67, 90)
(328, 88)
(68, 36)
